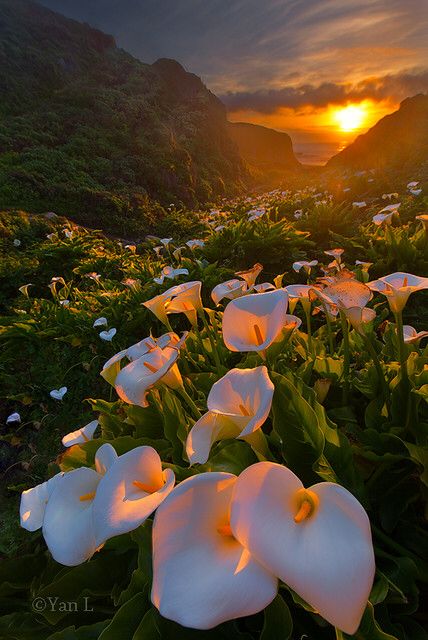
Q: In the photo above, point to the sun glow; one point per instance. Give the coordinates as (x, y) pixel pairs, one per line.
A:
(350, 118)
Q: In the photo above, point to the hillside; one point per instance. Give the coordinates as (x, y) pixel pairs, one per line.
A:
(89, 131)
(399, 140)
(267, 153)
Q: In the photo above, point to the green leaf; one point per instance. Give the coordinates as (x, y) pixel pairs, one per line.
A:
(127, 619)
(278, 623)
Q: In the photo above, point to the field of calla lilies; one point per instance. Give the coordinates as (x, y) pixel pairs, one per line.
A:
(221, 433)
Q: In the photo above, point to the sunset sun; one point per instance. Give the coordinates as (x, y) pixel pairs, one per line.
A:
(351, 117)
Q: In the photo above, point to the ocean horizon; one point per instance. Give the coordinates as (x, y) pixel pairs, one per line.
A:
(316, 153)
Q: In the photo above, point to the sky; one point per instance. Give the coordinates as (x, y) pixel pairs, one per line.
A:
(290, 64)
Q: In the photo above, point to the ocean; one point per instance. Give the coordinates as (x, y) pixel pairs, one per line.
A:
(316, 153)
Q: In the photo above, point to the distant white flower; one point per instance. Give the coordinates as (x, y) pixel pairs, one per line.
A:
(413, 184)
(50, 236)
(93, 276)
(415, 192)
(100, 322)
(192, 244)
(108, 335)
(304, 264)
(219, 228)
(157, 249)
(171, 273)
(410, 334)
(346, 189)
(391, 207)
(384, 218)
(132, 283)
(68, 234)
(80, 436)
(58, 394)
(24, 288)
(359, 205)
(165, 241)
(16, 242)
(64, 303)
(14, 417)
(131, 247)
(298, 214)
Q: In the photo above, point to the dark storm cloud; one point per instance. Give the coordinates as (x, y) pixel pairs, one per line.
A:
(243, 46)
(396, 86)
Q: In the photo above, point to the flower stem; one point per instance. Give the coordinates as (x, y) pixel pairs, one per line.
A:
(309, 328)
(381, 378)
(195, 411)
(212, 342)
(346, 356)
(401, 346)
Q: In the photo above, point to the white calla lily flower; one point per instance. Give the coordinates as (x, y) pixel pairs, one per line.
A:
(230, 289)
(183, 298)
(68, 523)
(158, 365)
(238, 405)
(108, 336)
(253, 322)
(33, 503)
(13, 417)
(80, 436)
(316, 540)
(202, 576)
(129, 493)
(250, 275)
(58, 394)
(411, 336)
(304, 264)
(100, 322)
(397, 287)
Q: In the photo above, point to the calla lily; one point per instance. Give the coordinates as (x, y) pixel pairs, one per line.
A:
(364, 266)
(253, 322)
(316, 540)
(165, 241)
(360, 318)
(415, 192)
(171, 274)
(202, 576)
(250, 275)
(193, 244)
(263, 287)
(33, 503)
(100, 322)
(304, 264)
(412, 184)
(132, 283)
(129, 493)
(183, 298)
(397, 287)
(359, 205)
(384, 218)
(412, 336)
(230, 289)
(391, 207)
(68, 523)
(158, 365)
(80, 436)
(17, 242)
(108, 336)
(424, 219)
(14, 417)
(299, 293)
(335, 253)
(112, 367)
(345, 294)
(58, 394)
(238, 405)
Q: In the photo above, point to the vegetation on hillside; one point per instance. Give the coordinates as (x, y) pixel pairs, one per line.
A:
(88, 131)
(349, 406)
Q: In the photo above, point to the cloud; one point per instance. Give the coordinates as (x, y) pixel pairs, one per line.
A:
(259, 46)
(390, 87)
